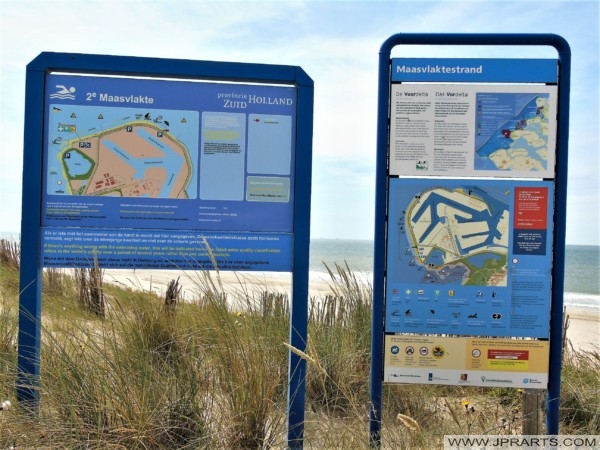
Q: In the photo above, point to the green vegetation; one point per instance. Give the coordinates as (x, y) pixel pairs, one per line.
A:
(211, 373)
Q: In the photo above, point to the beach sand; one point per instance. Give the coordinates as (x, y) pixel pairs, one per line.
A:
(583, 329)
(193, 283)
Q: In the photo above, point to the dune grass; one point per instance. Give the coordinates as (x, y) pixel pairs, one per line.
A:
(211, 372)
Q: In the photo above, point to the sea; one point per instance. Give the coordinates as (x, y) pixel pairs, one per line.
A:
(582, 267)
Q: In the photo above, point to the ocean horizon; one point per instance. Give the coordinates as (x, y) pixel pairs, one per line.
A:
(581, 282)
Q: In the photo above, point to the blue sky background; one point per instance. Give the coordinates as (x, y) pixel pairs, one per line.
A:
(337, 44)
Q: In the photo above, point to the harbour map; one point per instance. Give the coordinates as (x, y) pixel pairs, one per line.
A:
(131, 153)
(455, 236)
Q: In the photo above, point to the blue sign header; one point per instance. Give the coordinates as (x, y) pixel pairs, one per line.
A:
(475, 70)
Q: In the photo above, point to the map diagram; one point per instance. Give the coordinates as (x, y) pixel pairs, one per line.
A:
(453, 235)
(512, 132)
(122, 152)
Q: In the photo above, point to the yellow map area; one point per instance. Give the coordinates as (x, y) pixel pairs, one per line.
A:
(138, 159)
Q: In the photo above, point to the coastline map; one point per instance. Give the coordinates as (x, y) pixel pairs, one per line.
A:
(122, 152)
(512, 131)
(464, 259)
(452, 235)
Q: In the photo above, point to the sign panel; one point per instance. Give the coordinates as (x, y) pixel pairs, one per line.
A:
(147, 159)
(472, 155)
(470, 217)
(469, 257)
(457, 128)
(466, 361)
(165, 249)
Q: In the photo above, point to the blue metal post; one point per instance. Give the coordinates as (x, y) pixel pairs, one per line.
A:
(379, 250)
(560, 225)
(299, 309)
(30, 302)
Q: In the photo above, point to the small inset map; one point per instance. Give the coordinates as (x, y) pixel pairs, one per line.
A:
(511, 131)
(141, 154)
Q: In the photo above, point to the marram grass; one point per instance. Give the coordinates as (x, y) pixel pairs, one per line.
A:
(211, 373)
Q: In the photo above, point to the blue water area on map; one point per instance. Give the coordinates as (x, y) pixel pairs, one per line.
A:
(76, 164)
(436, 258)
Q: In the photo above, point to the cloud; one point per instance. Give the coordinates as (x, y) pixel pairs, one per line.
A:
(336, 43)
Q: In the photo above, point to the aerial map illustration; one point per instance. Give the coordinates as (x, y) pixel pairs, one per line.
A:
(512, 131)
(451, 235)
(122, 152)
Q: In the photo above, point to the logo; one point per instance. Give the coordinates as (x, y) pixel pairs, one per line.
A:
(395, 350)
(496, 380)
(438, 351)
(64, 93)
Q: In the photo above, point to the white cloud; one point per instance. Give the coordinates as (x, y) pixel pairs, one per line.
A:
(336, 43)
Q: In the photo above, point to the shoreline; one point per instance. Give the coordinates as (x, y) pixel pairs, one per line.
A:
(583, 329)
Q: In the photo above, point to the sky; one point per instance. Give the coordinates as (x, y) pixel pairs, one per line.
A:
(337, 44)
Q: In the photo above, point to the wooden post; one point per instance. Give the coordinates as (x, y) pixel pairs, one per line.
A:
(532, 412)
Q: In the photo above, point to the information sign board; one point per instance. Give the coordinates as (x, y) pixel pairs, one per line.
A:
(470, 216)
(466, 361)
(467, 120)
(150, 163)
(167, 168)
(470, 210)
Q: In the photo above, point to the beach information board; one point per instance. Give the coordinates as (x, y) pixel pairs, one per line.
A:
(168, 173)
(470, 215)
(150, 163)
(472, 151)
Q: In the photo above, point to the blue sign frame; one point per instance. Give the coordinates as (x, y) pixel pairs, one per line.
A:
(421, 70)
(76, 103)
